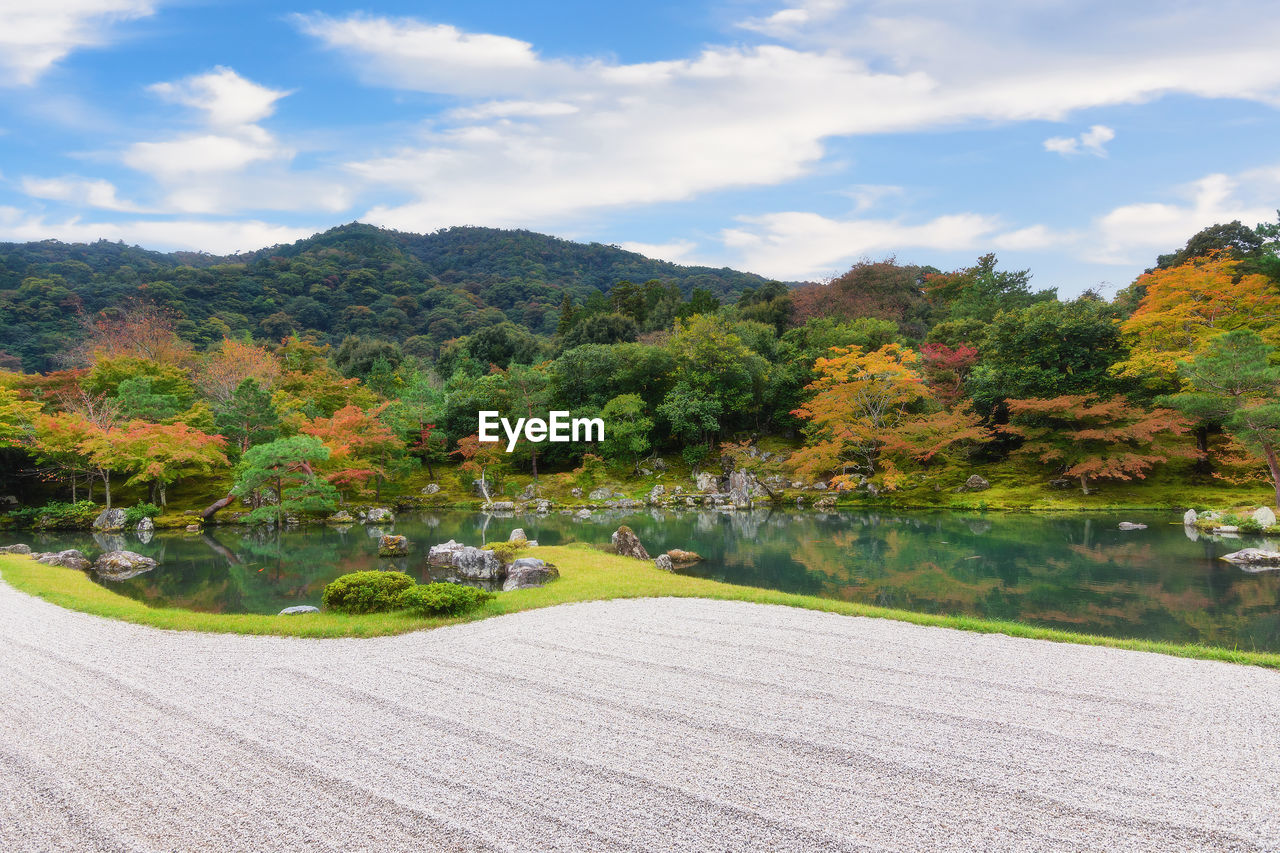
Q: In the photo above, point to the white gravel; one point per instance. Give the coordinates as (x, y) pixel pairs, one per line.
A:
(628, 725)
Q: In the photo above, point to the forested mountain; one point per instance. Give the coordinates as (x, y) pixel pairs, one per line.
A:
(352, 280)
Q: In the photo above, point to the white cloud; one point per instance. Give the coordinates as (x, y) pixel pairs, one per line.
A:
(676, 251)
(79, 191)
(35, 35)
(1136, 233)
(219, 237)
(203, 153)
(1092, 141)
(791, 20)
(796, 244)
(1031, 237)
(227, 99)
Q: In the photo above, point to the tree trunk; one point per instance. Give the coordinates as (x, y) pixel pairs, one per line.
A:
(164, 496)
(1084, 484)
(217, 505)
(1273, 464)
(106, 486)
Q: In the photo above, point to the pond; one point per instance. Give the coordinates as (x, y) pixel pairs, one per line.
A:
(1076, 572)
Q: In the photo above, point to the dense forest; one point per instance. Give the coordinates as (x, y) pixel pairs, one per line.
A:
(416, 290)
(325, 370)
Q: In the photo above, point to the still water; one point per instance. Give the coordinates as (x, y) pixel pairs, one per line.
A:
(1077, 572)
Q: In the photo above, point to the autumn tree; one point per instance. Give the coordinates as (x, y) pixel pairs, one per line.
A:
(1234, 383)
(1088, 437)
(857, 399)
(945, 369)
(133, 330)
(225, 369)
(160, 454)
(1187, 306)
(480, 461)
(16, 416)
(360, 446)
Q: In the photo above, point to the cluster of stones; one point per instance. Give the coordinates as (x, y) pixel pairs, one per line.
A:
(112, 565)
(1250, 559)
(477, 564)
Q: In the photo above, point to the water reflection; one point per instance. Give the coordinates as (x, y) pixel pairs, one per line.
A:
(1077, 572)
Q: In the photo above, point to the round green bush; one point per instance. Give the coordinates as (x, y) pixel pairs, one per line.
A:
(366, 592)
(442, 599)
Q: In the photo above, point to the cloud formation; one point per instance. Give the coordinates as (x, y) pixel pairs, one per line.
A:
(36, 35)
(1092, 141)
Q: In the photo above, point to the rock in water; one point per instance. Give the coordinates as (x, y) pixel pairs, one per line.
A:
(663, 562)
(582, 514)
(71, 559)
(393, 546)
(1253, 557)
(976, 483)
(146, 525)
(529, 572)
(301, 608)
(469, 562)
(122, 565)
(627, 544)
(110, 519)
(16, 549)
(341, 517)
(517, 535)
(379, 515)
(1129, 525)
(1265, 516)
(442, 554)
(1189, 518)
(684, 558)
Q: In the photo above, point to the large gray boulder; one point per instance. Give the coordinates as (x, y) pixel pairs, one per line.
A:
(501, 506)
(430, 489)
(1189, 518)
(976, 483)
(707, 482)
(146, 525)
(378, 515)
(600, 494)
(1265, 516)
(663, 562)
(740, 488)
(1254, 557)
(15, 549)
(529, 572)
(517, 535)
(298, 609)
(71, 559)
(122, 565)
(393, 546)
(627, 544)
(110, 519)
(467, 561)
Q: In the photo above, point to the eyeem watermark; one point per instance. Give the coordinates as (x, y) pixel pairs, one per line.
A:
(560, 428)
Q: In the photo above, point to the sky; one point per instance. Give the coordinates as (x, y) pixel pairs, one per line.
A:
(792, 139)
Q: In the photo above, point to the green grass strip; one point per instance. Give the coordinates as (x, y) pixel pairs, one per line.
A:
(586, 574)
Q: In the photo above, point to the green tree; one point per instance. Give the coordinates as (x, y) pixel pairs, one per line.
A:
(627, 430)
(286, 465)
(1234, 383)
(249, 417)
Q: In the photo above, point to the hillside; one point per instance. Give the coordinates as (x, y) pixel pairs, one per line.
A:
(353, 279)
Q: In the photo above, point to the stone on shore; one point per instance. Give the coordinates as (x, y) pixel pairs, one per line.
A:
(15, 549)
(663, 562)
(517, 535)
(976, 483)
(1265, 516)
(430, 489)
(1189, 518)
(378, 515)
(71, 559)
(469, 562)
(529, 572)
(122, 565)
(109, 520)
(301, 608)
(1253, 557)
(627, 544)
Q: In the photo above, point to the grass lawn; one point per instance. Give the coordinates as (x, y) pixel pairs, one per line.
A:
(586, 575)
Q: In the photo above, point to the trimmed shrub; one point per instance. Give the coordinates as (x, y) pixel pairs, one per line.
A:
(58, 515)
(442, 599)
(366, 592)
(137, 512)
(506, 551)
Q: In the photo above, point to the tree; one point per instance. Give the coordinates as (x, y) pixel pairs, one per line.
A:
(226, 368)
(714, 363)
(602, 329)
(694, 418)
(415, 414)
(1187, 306)
(138, 401)
(628, 430)
(359, 444)
(1088, 437)
(248, 416)
(287, 465)
(945, 370)
(858, 398)
(16, 416)
(982, 291)
(480, 460)
(134, 330)
(159, 454)
(568, 315)
(1234, 383)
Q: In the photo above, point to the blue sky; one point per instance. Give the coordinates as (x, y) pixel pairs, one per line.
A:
(1077, 139)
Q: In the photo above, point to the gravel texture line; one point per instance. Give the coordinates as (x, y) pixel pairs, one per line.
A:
(645, 725)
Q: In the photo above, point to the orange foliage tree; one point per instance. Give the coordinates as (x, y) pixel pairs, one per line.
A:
(233, 362)
(160, 454)
(873, 409)
(1187, 306)
(360, 446)
(134, 330)
(1092, 438)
